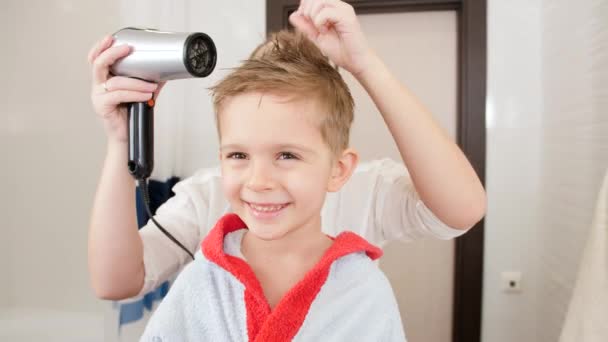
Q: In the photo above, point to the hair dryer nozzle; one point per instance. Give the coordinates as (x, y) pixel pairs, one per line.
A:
(199, 54)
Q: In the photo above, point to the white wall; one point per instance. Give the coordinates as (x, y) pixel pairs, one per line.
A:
(6, 20)
(546, 155)
(514, 116)
(7, 170)
(53, 147)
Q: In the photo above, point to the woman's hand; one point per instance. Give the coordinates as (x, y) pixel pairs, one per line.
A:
(333, 26)
(109, 94)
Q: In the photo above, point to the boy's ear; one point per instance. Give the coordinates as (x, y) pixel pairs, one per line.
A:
(342, 169)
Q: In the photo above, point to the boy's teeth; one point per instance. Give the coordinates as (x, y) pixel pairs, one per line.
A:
(266, 208)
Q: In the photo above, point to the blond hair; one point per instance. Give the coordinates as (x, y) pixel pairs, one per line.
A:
(288, 63)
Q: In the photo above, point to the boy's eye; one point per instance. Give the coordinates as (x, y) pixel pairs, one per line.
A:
(236, 155)
(287, 155)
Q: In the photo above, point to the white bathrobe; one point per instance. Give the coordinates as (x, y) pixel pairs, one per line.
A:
(217, 297)
(587, 317)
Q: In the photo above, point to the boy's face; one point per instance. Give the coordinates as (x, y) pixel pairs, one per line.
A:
(276, 167)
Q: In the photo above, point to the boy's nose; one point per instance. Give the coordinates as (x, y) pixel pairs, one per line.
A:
(259, 178)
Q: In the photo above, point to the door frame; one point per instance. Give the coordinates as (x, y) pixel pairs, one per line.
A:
(471, 132)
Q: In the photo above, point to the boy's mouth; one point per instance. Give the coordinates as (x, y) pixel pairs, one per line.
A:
(266, 210)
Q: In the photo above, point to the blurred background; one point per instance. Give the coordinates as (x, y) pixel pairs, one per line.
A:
(547, 152)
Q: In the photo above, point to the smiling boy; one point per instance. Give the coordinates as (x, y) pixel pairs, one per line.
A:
(267, 272)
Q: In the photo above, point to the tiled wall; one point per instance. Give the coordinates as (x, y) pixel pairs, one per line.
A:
(574, 146)
(547, 154)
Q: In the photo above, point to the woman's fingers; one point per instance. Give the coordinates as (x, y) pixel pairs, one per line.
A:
(158, 89)
(99, 47)
(325, 18)
(101, 64)
(303, 5)
(127, 83)
(316, 7)
(304, 25)
(114, 98)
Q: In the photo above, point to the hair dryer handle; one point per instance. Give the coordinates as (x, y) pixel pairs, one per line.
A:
(141, 139)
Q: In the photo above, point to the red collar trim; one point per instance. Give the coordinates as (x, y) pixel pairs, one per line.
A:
(282, 323)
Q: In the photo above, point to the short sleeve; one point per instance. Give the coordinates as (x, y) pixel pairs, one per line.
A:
(186, 217)
(397, 212)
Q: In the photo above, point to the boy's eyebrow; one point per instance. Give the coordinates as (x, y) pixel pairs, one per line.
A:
(230, 146)
(280, 147)
(297, 147)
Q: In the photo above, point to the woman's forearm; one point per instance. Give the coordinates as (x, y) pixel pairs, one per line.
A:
(115, 247)
(442, 175)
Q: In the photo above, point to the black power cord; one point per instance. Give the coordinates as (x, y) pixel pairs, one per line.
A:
(142, 184)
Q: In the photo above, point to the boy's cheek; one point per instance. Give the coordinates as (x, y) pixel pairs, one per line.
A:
(230, 184)
(308, 186)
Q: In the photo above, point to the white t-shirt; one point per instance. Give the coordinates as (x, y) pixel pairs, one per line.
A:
(378, 202)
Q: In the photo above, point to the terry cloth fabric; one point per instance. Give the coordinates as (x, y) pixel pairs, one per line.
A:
(160, 192)
(345, 297)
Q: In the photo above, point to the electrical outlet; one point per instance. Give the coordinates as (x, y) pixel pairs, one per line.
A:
(511, 282)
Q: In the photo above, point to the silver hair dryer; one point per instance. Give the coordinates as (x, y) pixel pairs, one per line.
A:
(157, 56)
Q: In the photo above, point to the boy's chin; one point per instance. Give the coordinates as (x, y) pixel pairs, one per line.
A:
(267, 234)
